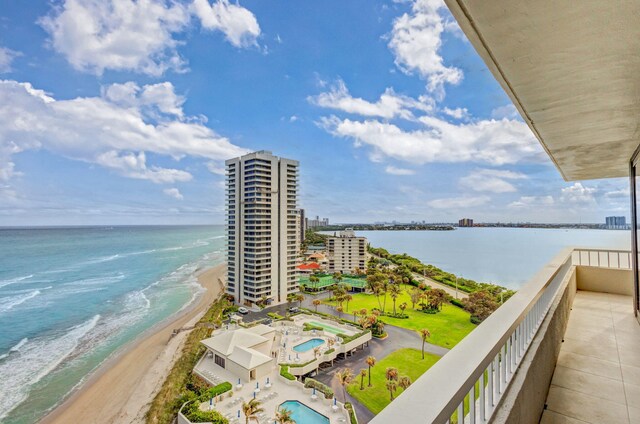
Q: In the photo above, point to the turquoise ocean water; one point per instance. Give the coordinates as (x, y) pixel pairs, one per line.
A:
(70, 297)
(505, 256)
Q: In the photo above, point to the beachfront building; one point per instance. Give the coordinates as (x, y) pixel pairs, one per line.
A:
(346, 252)
(262, 241)
(308, 268)
(245, 352)
(465, 222)
(300, 225)
(566, 347)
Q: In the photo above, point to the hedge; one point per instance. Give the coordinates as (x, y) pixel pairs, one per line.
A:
(457, 303)
(346, 339)
(352, 415)
(195, 415)
(274, 315)
(323, 388)
(308, 327)
(215, 391)
(284, 371)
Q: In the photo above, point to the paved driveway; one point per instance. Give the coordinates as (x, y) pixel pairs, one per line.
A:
(397, 338)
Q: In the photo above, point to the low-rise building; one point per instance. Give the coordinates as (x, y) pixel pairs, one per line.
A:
(247, 353)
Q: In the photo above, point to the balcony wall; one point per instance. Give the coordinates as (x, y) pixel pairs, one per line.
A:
(512, 355)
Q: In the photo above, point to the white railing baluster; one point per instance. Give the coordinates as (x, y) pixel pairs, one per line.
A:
(472, 405)
(481, 412)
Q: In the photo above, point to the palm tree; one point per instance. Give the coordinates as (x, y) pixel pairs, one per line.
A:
(402, 307)
(337, 277)
(339, 309)
(251, 410)
(330, 343)
(385, 289)
(314, 280)
(347, 298)
(394, 291)
(344, 377)
(391, 374)
(371, 361)
(363, 374)
(299, 298)
(283, 416)
(404, 382)
(392, 386)
(316, 303)
(424, 335)
(316, 351)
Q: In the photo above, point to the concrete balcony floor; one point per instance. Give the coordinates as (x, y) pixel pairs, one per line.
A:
(597, 376)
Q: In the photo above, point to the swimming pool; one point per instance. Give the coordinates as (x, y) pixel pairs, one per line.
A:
(308, 345)
(302, 414)
(329, 328)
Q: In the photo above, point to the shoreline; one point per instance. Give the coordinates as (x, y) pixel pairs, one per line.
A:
(121, 389)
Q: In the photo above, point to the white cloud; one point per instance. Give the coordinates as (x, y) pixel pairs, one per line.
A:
(532, 201)
(578, 194)
(459, 202)
(293, 118)
(135, 166)
(215, 168)
(390, 105)
(485, 141)
(416, 40)
(618, 194)
(173, 192)
(457, 113)
(238, 24)
(114, 130)
(491, 180)
(6, 58)
(507, 111)
(398, 171)
(139, 36)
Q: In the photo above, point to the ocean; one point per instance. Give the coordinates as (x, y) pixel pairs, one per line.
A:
(505, 256)
(70, 297)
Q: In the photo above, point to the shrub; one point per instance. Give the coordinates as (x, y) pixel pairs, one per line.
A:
(456, 302)
(346, 339)
(352, 414)
(215, 391)
(274, 315)
(329, 351)
(309, 327)
(195, 415)
(284, 371)
(322, 388)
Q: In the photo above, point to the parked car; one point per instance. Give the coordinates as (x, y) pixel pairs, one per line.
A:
(243, 310)
(294, 309)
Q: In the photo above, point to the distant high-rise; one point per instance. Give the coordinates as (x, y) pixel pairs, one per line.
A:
(465, 222)
(262, 192)
(317, 222)
(616, 222)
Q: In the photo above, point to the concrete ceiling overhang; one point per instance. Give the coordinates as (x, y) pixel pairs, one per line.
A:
(572, 69)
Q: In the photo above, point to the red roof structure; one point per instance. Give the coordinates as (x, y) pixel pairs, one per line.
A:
(310, 266)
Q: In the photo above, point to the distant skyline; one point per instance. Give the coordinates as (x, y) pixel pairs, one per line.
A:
(120, 112)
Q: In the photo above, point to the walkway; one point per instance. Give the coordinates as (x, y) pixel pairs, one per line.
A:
(597, 377)
(434, 284)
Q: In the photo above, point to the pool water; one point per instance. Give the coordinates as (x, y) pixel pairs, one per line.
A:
(302, 414)
(308, 345)
(329, 328)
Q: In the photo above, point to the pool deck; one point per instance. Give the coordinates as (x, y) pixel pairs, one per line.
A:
(272, 397)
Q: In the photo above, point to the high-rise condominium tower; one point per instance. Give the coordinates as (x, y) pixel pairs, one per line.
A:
(262, 192)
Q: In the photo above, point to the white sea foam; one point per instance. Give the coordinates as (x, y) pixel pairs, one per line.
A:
(10, 302)
(34, 359)
(14, 280)
(96, 281)
(15, 348)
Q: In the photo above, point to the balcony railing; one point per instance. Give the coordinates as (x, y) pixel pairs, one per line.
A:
(470, 380)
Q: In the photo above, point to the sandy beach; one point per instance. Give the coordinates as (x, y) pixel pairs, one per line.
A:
(121, 390)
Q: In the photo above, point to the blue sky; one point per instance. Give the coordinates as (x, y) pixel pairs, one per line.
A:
(122, 112)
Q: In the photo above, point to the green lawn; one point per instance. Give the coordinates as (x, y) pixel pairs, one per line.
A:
(409, 362)
(447, 327)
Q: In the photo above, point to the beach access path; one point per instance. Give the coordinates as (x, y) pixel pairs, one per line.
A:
(122, 389)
